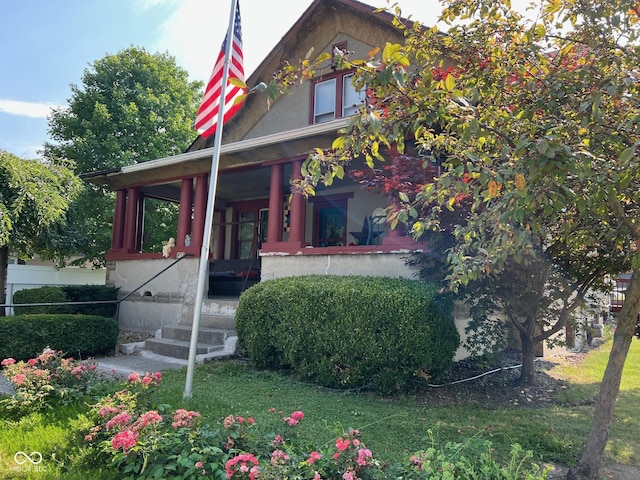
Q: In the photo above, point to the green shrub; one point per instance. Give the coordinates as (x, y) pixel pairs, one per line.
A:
(92, 293)
(348, 332)
(25, 336)
(68, 293)
(41, 295)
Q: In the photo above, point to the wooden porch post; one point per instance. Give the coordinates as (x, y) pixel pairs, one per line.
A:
(117, 234)
(140, 222)
(184, 213)
(297, 234)
(131, 220)
(274, 233)
(199, 211)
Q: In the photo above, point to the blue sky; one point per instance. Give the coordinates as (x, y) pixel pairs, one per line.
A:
(45, 45)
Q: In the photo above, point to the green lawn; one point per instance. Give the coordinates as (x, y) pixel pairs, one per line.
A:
(390, 427)
(393, 427)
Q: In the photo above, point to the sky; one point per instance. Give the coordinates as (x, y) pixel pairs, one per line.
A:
(46, 45)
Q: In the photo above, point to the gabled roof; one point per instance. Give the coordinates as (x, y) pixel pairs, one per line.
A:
(294, 45)
(318, 25)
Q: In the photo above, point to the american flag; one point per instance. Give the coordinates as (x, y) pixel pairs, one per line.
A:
(207, 119)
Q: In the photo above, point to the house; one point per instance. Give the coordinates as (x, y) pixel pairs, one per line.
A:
(258, 234)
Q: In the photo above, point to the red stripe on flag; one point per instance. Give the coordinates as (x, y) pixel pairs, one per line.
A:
(207, 118)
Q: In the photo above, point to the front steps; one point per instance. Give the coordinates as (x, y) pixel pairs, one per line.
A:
(216, 335)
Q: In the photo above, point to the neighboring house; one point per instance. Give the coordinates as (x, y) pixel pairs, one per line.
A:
(257, 233)
(36, 273)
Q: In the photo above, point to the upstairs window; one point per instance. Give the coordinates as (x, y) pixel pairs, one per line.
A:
(334, 96)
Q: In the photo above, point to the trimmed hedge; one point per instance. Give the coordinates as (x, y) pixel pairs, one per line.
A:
(25, 336)
(92, 293)
(68, 293)
(41, 295)
(348, 331)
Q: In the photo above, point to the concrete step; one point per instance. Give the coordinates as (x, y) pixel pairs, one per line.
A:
(211, 336)
(178, 348)
(217, 321)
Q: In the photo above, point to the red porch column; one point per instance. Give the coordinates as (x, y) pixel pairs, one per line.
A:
(131, 220)
(297, 214)
(117, 234)
(220, 237)
(140, 224)
(274, 233)
(184, 213)
(199, 211)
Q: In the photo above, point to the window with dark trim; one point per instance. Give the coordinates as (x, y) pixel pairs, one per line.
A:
(334, 96)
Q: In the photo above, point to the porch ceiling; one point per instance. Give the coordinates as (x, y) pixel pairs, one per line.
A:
(239, 185)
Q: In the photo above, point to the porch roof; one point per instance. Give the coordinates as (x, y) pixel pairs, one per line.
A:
(244, 153)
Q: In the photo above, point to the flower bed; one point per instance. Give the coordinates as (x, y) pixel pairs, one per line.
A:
(138, 438)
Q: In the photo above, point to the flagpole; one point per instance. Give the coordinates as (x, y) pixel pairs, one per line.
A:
(208, 222)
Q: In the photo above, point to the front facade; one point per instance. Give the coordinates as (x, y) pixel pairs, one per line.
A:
(260, 231)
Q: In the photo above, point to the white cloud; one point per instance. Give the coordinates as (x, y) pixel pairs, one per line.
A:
(26, 109)
(194, 32)
(189, 32)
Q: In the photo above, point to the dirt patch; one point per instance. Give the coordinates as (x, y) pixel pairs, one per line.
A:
(496, 382)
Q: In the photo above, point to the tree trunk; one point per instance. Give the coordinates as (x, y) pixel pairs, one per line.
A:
(4, 262)
(528, 370)
(589, 465)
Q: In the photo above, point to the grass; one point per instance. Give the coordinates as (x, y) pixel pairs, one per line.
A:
(398, 426)
(391, 427)
(624, 440)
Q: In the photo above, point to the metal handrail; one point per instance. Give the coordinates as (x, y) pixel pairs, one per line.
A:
(97, 302)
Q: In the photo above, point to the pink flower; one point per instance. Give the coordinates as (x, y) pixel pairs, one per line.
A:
(317, 476)
(294, 418)
(125, 440)
(183, 418)
(148, 418)
(106, 411)
(146, 380)
(342, 444)
(243, 459)
(32, 361)
(18, 379)
(228, 421)
(122, 419)
(8, 361)
(278, 457)
(251, 421)
(313, 457)
(133, 377)
(46, 355)
(199, 464)
(278, 440)
(364, 457)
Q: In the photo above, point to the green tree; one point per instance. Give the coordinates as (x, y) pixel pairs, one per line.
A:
(131, 107)
(537, 121)
(33, 196)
